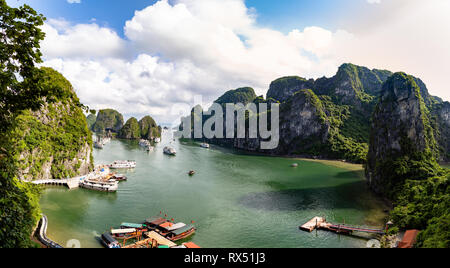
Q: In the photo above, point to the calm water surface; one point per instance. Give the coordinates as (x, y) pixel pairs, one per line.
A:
(235, 200)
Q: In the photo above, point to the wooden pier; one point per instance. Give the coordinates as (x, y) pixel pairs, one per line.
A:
(312, 224)
(321, 223)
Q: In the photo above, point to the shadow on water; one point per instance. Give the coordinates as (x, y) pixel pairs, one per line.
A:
(323, 198)
(347, 174)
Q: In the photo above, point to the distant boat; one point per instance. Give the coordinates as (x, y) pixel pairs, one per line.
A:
(294, 165)
(205, 145)
(98, 145)
(123, 164)
(144, 143)
(191, 173)
(157, 140)
(170, 151)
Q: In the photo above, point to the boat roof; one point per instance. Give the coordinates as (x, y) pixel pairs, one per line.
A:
(166, 225)
(190, 245)
(160, 239)
(108, 238)
(156, 220)
(123, 231)
(132, 225)
(182, 230)
(176, 226)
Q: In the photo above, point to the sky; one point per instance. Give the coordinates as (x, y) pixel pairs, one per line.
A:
(158, 57)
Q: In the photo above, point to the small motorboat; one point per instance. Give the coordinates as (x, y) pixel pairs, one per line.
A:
(294, 165)
(205, 145)
(120, 177)
(191, 173)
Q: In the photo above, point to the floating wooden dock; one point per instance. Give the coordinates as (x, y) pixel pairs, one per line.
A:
(312, 224)
(321, 223)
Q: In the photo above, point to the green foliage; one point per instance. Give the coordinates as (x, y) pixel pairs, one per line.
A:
(410, 176)
(130, 130)
(149, 129)
(19, 45)
(20, 88)
(108, 119)
(437, 234)
(58, 132)
(241, 95)
(91, 118)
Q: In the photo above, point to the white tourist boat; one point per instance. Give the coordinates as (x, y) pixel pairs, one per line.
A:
(170, 151)
(205, 145)
(100, 186)
(119, 164)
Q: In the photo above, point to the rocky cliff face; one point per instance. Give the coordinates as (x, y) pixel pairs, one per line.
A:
(54, 142)
(284, 88)
(345, 103)
(401, 131)
(303, 123)
(108, 119)
(442, 114)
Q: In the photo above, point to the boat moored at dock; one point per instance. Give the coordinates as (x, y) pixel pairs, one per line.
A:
(108, 241)
(100, 185)
(181, 233)
(119, 177)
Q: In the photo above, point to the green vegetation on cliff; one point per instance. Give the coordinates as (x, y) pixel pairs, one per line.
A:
(56, 137)
(108, 119)
(91, 118)
(241, 95)
(20, 88)
(402, 162)
(149, 129)
(146, 129)
(130, 130)
(43, 130)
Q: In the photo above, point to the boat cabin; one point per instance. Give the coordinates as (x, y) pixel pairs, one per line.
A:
(181, 233)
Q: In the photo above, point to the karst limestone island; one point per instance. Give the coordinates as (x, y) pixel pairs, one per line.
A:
(387, 121)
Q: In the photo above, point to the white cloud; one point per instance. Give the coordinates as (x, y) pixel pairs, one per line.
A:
(74, 1)
(374, 1)
(209, 46)
(81, 40)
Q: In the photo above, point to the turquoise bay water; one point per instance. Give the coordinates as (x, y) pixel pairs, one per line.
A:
(235, 200)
